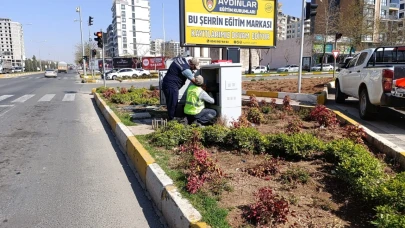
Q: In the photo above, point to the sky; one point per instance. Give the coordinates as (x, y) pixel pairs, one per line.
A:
(53, 21)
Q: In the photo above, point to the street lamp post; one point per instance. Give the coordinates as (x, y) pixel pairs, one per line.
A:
(78, 9)
(21, 45)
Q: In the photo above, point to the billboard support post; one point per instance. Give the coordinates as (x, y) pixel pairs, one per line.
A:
(302, 45)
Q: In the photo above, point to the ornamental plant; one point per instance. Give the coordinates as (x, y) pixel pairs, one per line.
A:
(253, 101)
(255, 116)
(323, 116)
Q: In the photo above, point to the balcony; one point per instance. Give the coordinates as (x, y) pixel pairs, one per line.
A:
(394, 6)
(389, 17)
(369, 2)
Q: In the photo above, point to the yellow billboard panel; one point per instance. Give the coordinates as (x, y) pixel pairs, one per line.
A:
(239, 23)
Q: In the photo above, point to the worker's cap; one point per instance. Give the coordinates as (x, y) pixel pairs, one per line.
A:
(195, 62)
(199, 80)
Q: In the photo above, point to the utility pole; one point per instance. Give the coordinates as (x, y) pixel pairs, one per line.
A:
(103, 59)
(302, 45)
(78, 9)
(90, 54)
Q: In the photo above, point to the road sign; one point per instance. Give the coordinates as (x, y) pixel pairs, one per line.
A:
(335, 53)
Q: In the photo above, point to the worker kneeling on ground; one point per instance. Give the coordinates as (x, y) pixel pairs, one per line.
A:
(195, 109)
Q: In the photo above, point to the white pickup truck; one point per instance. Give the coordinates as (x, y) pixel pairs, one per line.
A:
(371, 76)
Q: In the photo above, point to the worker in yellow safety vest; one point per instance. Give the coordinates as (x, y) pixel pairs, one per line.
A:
(195, 108)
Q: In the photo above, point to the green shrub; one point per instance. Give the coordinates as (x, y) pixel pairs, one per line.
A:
(121, 98)
(392, 192)
(295, 175)
(172, 135)
(338, 149)
(255, 116)
(101, 89)
(266, 109)
(214, 135)
(300, 145)
(363, 172)
(388, 217)
(246, 139)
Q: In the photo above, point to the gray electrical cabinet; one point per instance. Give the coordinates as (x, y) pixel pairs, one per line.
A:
(224, 83)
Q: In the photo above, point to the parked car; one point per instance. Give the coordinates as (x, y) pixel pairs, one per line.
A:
(259, 70)
(143, 72)
(18, 69)
(124, 72)
(110, 71)
(376, 77)
(326, 67)
(288, 68)
(51, 73)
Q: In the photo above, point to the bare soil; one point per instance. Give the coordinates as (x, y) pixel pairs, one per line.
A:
(308, 85)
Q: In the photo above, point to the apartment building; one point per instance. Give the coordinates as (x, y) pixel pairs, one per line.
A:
(173, 49)
(12, 42)
(130, 28)
(294, 29)
(156, 47)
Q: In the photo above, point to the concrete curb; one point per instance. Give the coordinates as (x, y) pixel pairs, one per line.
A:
(176, 210)
(18, 75)
(301, 97)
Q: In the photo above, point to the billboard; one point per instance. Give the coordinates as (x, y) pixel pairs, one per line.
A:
(152, 63)
(126, 63)
(222, 23)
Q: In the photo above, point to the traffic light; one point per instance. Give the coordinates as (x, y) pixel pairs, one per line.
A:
(93, 52)
(338, 36)
(99, 39)
(90, 21)
(310, 10)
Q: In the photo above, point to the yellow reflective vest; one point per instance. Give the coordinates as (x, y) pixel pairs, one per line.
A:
(193, 103)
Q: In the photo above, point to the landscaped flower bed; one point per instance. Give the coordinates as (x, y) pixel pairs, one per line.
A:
(308, 85)
(120, 97)
(288, 169)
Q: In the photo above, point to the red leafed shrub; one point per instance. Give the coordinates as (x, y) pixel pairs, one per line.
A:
(294, 126)
(323, 116)
(155, 93)
(202, 168)
(253, 101)
(286, 104)
(123, 90)
(355, 133)
(263, 103)
(109, 92)
(273, 103)
(270, 166)
(269, 209)
(255, 116)
(242, 121)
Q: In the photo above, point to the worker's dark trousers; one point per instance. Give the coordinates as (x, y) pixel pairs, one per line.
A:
(172, 99)
(205, 117)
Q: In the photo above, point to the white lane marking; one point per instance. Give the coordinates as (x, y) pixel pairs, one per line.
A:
(47, 97)
(23, 98)
(69, 97)
(39, 77)
(5, 106)
(5, 97)
(22, 77)
(65, 78)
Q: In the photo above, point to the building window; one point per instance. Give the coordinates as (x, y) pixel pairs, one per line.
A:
(133, 2)
(124, 33)
(133, 8)
(133, 21)
(402, 6)
(123, 13)
(123, 7)
(133, 15)
(401, 15)
(124, 39)
(125, 46)
(124, 26)
(124, 20)
(134, 34)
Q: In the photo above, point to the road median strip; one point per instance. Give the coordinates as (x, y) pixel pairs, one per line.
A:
(176, 210)
(283, 74)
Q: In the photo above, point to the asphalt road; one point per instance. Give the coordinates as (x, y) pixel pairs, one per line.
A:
(59, 163)
(388, 123)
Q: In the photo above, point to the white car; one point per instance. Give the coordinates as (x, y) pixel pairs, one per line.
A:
(259, 70)
(288, 68)
(51, 73)
(326, 67)
(124, 72)
(143, 72)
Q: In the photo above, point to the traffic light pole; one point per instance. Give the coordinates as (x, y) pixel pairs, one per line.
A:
(91, 56)
(104, 64)
(81, 38)
(302, 45)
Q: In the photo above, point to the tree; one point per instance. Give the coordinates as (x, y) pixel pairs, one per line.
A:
(53, 65)
(28, 65)
(34, 63)
(357, 22)
(327, 23)
(287, 55)
(88, 46)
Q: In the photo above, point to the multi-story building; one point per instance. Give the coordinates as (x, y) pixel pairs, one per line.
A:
(173, 49)
(130, 28)
(12, 42)
(109, 46)
(156, 47)
(281, 23)
(294, 29)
